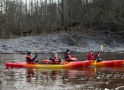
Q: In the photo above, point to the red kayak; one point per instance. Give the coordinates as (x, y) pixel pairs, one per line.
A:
(70, 65)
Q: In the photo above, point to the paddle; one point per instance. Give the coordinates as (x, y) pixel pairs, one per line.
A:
(35, 49)
(94, 64)
(35, 52)
(101, 48)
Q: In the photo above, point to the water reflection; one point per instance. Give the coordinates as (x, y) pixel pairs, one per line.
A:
(29, 74)
(86, 78)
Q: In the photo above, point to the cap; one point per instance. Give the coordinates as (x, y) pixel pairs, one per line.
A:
(55, 53)
(91, 51)
(28, 52)
(67, 50)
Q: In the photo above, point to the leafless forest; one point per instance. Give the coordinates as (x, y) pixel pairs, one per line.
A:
(32, 17)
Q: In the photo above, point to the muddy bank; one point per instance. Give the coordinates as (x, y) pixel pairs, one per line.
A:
(60, 42)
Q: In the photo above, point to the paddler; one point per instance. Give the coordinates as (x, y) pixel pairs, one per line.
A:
(54, 58)
(68, 56)
(92, 56)
(29, 58)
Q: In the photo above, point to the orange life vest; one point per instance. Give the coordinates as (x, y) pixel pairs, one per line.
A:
(56, 58)
(69, 56)
(29, 62)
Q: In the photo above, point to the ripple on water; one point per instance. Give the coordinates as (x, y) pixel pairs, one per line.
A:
(120, 88)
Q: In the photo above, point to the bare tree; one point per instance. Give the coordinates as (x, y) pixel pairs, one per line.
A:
(21, 18)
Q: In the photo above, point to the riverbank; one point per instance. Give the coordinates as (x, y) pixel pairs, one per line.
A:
(60, 42)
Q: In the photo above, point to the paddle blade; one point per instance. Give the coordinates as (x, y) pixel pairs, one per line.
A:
(35, 48)
(101, 47)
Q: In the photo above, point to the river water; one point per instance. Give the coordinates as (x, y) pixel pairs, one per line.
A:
(102, 78)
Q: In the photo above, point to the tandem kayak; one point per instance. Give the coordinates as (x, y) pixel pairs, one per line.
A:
(70, 65)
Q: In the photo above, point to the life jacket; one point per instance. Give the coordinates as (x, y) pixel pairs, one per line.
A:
(29, 62)
(67, 56)
(56, 58)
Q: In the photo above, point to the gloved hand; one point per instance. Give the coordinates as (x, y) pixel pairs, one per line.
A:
(36, 61)
(60, 59)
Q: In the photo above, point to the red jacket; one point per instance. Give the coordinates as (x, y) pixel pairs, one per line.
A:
(91, 56)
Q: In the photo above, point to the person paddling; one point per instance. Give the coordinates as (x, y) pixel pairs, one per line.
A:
(54, 58)
(29, 58)
(92, 56)
(68, 56)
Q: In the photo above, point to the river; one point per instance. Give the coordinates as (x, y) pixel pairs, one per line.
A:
(102, 78)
